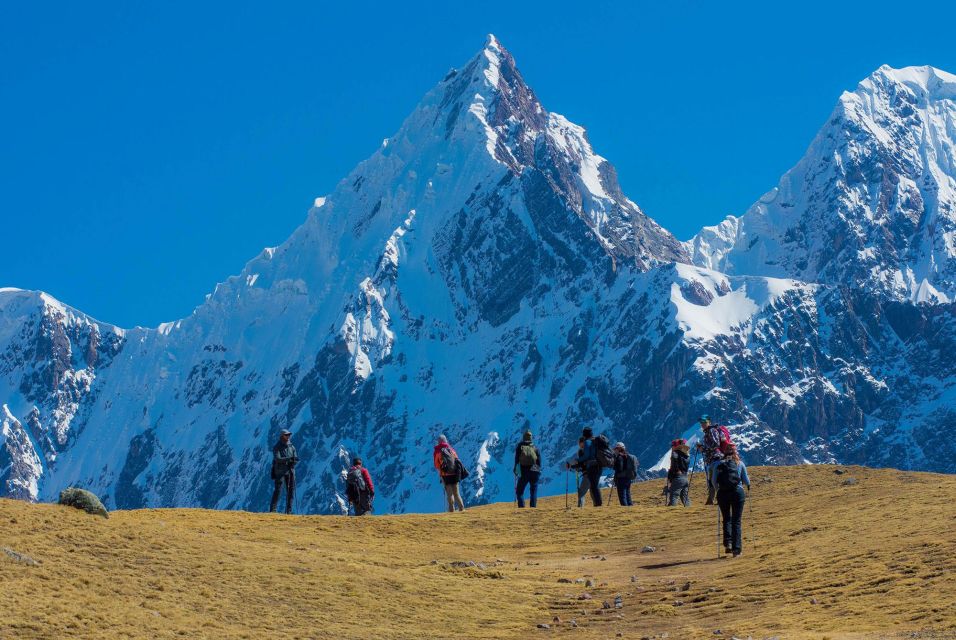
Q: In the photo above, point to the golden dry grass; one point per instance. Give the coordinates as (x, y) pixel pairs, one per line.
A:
(872, 560)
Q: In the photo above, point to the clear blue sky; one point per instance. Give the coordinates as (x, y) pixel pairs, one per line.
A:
(149, 149)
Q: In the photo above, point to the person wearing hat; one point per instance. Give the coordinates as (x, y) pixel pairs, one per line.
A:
(284, 459)
(711, 446)
(625, 472)
(587, 457)
(527, 469)
(677, 483)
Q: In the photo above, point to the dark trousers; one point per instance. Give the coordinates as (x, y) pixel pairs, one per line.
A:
(527, 477)
(363, 504)
(623, 492)
(594, 478)
(731, 505)
(289, 480)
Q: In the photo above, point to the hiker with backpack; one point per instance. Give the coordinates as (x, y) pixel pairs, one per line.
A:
(730, 477)
(284, 459)
(451, 471)
(678, 485)
(577, 463)
(359, 489)
(595, 456)
(528, 470)
(625, 472)
(715, 441)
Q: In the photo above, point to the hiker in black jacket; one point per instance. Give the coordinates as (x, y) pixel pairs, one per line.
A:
(587, 457)
(677, 482)
(625, 471)
(284, 459)
(527, 469)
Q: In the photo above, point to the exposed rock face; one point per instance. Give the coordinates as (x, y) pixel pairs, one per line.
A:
(480, 274)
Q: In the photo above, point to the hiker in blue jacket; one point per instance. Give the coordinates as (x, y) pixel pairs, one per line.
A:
(625, 472)
(729, 476)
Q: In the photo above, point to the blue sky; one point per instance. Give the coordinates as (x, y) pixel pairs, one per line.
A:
(150, 149)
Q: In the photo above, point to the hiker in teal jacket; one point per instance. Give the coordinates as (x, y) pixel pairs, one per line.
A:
(284, 459)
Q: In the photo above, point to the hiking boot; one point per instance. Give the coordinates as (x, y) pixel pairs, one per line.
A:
(736, 553)
(710, 501)
(728, 550)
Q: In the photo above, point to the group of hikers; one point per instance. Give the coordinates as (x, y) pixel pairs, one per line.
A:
(725, 473)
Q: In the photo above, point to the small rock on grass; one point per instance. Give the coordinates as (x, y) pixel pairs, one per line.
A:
(849, 482)
(564, 580)
(589, 583)
(618, 602)
(648, 549)
(544, 625)
(19, 557)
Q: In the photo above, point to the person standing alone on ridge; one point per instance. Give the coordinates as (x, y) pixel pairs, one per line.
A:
(528, 469)
(359, 488)
(677, 482)
(450, 469)
(284, 459)
(625, 472)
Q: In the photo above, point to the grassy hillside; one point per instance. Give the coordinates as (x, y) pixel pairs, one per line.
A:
(874, 559)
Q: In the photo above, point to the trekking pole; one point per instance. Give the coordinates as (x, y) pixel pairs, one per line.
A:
(567, 479)
(753, 529)
(692, 467)
(718, 533)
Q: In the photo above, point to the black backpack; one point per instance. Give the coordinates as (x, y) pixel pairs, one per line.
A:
(728, 477)
(602, 451)
(355, 485)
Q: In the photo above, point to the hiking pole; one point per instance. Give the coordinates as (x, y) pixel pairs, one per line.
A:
(753, 529)
(718, 533)
(692, 467)
(567, 479)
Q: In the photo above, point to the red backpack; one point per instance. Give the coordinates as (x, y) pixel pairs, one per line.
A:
(724, 437)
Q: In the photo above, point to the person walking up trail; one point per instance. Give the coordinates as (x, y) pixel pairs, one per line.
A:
(730, 477)
(528, 469)
(583, 484)
(715, 441)
(450, 471)
(678, 485)
(591, 465)
(359, 488)
(284, 459)
(625, 472)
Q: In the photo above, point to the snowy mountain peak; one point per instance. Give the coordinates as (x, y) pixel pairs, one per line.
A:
(872, 201)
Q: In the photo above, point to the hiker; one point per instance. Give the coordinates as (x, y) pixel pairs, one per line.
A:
(359, 488)
(577, 465)
(678, 485)
(284, 459)
(528, 469)
(451, 471)
(625, 472)
(715, 440)
(729, 474)
(588, 457)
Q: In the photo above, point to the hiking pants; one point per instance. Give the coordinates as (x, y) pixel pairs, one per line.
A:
(583, 486)
(363, 505)
(711, 489)
(528, 477)
(623, 492)
(289, 480)
(453, 497)
(594, 484)
(731, 505)
(678, 488)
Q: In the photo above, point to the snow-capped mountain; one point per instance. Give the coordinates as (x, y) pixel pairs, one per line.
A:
(481, 273)
(873, 201)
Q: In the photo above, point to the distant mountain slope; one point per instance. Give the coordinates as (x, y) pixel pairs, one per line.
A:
(873, 201)
(480, 274)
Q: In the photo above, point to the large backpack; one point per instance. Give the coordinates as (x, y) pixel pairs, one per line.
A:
(355, 485)
(724, 437)
(630, 466)
(602, 451)
(448, 462)
(728, 477)
(527, 456)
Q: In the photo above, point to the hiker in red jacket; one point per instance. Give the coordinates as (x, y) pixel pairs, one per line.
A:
(450, 470)
(359, 488)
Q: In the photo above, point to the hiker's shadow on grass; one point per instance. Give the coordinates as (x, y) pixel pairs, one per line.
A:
(677, 563)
